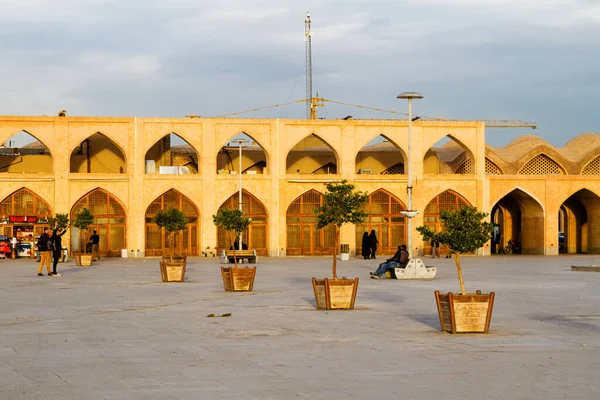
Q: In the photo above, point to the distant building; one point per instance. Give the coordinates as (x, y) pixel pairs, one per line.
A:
(112, 166)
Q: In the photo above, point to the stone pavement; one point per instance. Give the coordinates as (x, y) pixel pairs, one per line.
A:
(115, 331)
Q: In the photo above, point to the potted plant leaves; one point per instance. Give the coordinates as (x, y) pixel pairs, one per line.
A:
(463, 230)
(234, 278)
(341, 205)
(83, 219)
(172, 267)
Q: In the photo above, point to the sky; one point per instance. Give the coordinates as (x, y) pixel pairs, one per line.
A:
(532, 60)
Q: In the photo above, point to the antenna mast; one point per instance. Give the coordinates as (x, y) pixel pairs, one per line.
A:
(308, 52)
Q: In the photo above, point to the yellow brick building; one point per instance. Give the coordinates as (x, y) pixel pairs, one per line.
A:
(126, 169)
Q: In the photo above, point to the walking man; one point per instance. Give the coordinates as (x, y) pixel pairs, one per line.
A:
(45, 253)
(95, 241)
(435, 249)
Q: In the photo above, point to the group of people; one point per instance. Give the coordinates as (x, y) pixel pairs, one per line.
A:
(369, 245)
(50, 247)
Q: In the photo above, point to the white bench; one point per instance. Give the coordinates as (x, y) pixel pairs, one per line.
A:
(415, 269)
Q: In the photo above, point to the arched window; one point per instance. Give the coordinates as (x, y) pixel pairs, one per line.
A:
(21, 205)
(491, 168)
(445, 201)
(592, 168)
(98, 154)
(385, 218)
(303, 237)
(257, 233)
(110, 221)
(186, 241)
(541, 165)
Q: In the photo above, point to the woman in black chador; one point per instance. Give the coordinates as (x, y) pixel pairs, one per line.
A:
(373, 242)
(56, 240)
(366, 246)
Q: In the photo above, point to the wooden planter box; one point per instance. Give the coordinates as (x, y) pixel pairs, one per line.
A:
(470, 313)
(172, 271)
(335, 294)
(238, 279)
(83, 260)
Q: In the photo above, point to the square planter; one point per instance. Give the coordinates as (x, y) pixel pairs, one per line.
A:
(238, 279)
(335, 294)
(470, 313)
(172, 271)
(83, 260)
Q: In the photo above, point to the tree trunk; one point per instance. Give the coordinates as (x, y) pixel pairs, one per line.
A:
(172, 244)
(460, 277)
(233, 237)
(335, 247)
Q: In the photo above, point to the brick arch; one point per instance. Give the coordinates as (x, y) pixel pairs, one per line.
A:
(21, 204)
(256, 236)
(29, 158)
(385, 218)
(448, 166)
(542, 164)
(385, 155)
(110, 220)
(303, 237)
(318, 155)
(448, 200)
(592, 167)
(103, 156)
(186, 241)
(170, 157)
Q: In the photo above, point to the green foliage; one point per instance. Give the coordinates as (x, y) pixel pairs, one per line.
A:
(341, 205)
(464, 230)
(232, 221)
(60, 221)
(83, 219)
(172, 220)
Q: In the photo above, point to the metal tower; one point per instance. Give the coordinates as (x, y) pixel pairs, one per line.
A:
(308, 51)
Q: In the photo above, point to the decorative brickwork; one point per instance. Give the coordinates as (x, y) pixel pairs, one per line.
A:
(491, 168)
(592, 168)
(465, 168)
(396, 169)
(541, 165)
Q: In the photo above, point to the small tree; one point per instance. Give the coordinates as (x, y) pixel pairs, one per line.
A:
(173, 221)
(341, 205)
(232, 221)
(83, 219)
(464, 230)
(60, 221)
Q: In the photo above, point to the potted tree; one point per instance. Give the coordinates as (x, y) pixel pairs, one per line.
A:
(83, 219)
(464, 230)
(341, 205)
(172, 268)
(234, 278)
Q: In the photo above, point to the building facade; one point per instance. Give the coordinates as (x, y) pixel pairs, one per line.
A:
(126, 169)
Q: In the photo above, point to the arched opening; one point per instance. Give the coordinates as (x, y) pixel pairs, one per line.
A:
(186, 241)
(380, 157)
(303, 237)
(448, 156)
(98, 154)
(25, 153)
(253, 156)
(518, 217)
(257, 233)
(579, 224)
(491, 168)
(448, 200)
(110, 221)
(24, 217)
(312, 155)
(592, 168)
(385, 218)
(171, 155)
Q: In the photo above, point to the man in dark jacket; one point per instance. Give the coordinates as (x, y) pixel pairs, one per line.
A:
(45, 253)
(399, 260)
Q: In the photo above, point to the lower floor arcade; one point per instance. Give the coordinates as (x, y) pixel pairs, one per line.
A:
(523, 224)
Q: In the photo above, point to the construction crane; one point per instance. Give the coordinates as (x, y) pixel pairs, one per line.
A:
(313, 102)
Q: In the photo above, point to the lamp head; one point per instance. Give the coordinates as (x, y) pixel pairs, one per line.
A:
(409, 95)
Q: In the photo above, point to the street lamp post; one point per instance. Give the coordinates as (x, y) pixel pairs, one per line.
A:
(410, 213)
(240, 142)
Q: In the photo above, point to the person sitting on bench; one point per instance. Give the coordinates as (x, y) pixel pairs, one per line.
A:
(399, 260)
(236, 245)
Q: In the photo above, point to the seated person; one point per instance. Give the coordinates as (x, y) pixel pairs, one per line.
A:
(399, 260)
(236, 245)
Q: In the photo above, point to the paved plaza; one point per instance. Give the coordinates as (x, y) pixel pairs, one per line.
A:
(115, 331)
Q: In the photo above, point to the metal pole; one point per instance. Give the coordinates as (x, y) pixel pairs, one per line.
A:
(409, 172)
(240, 194)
